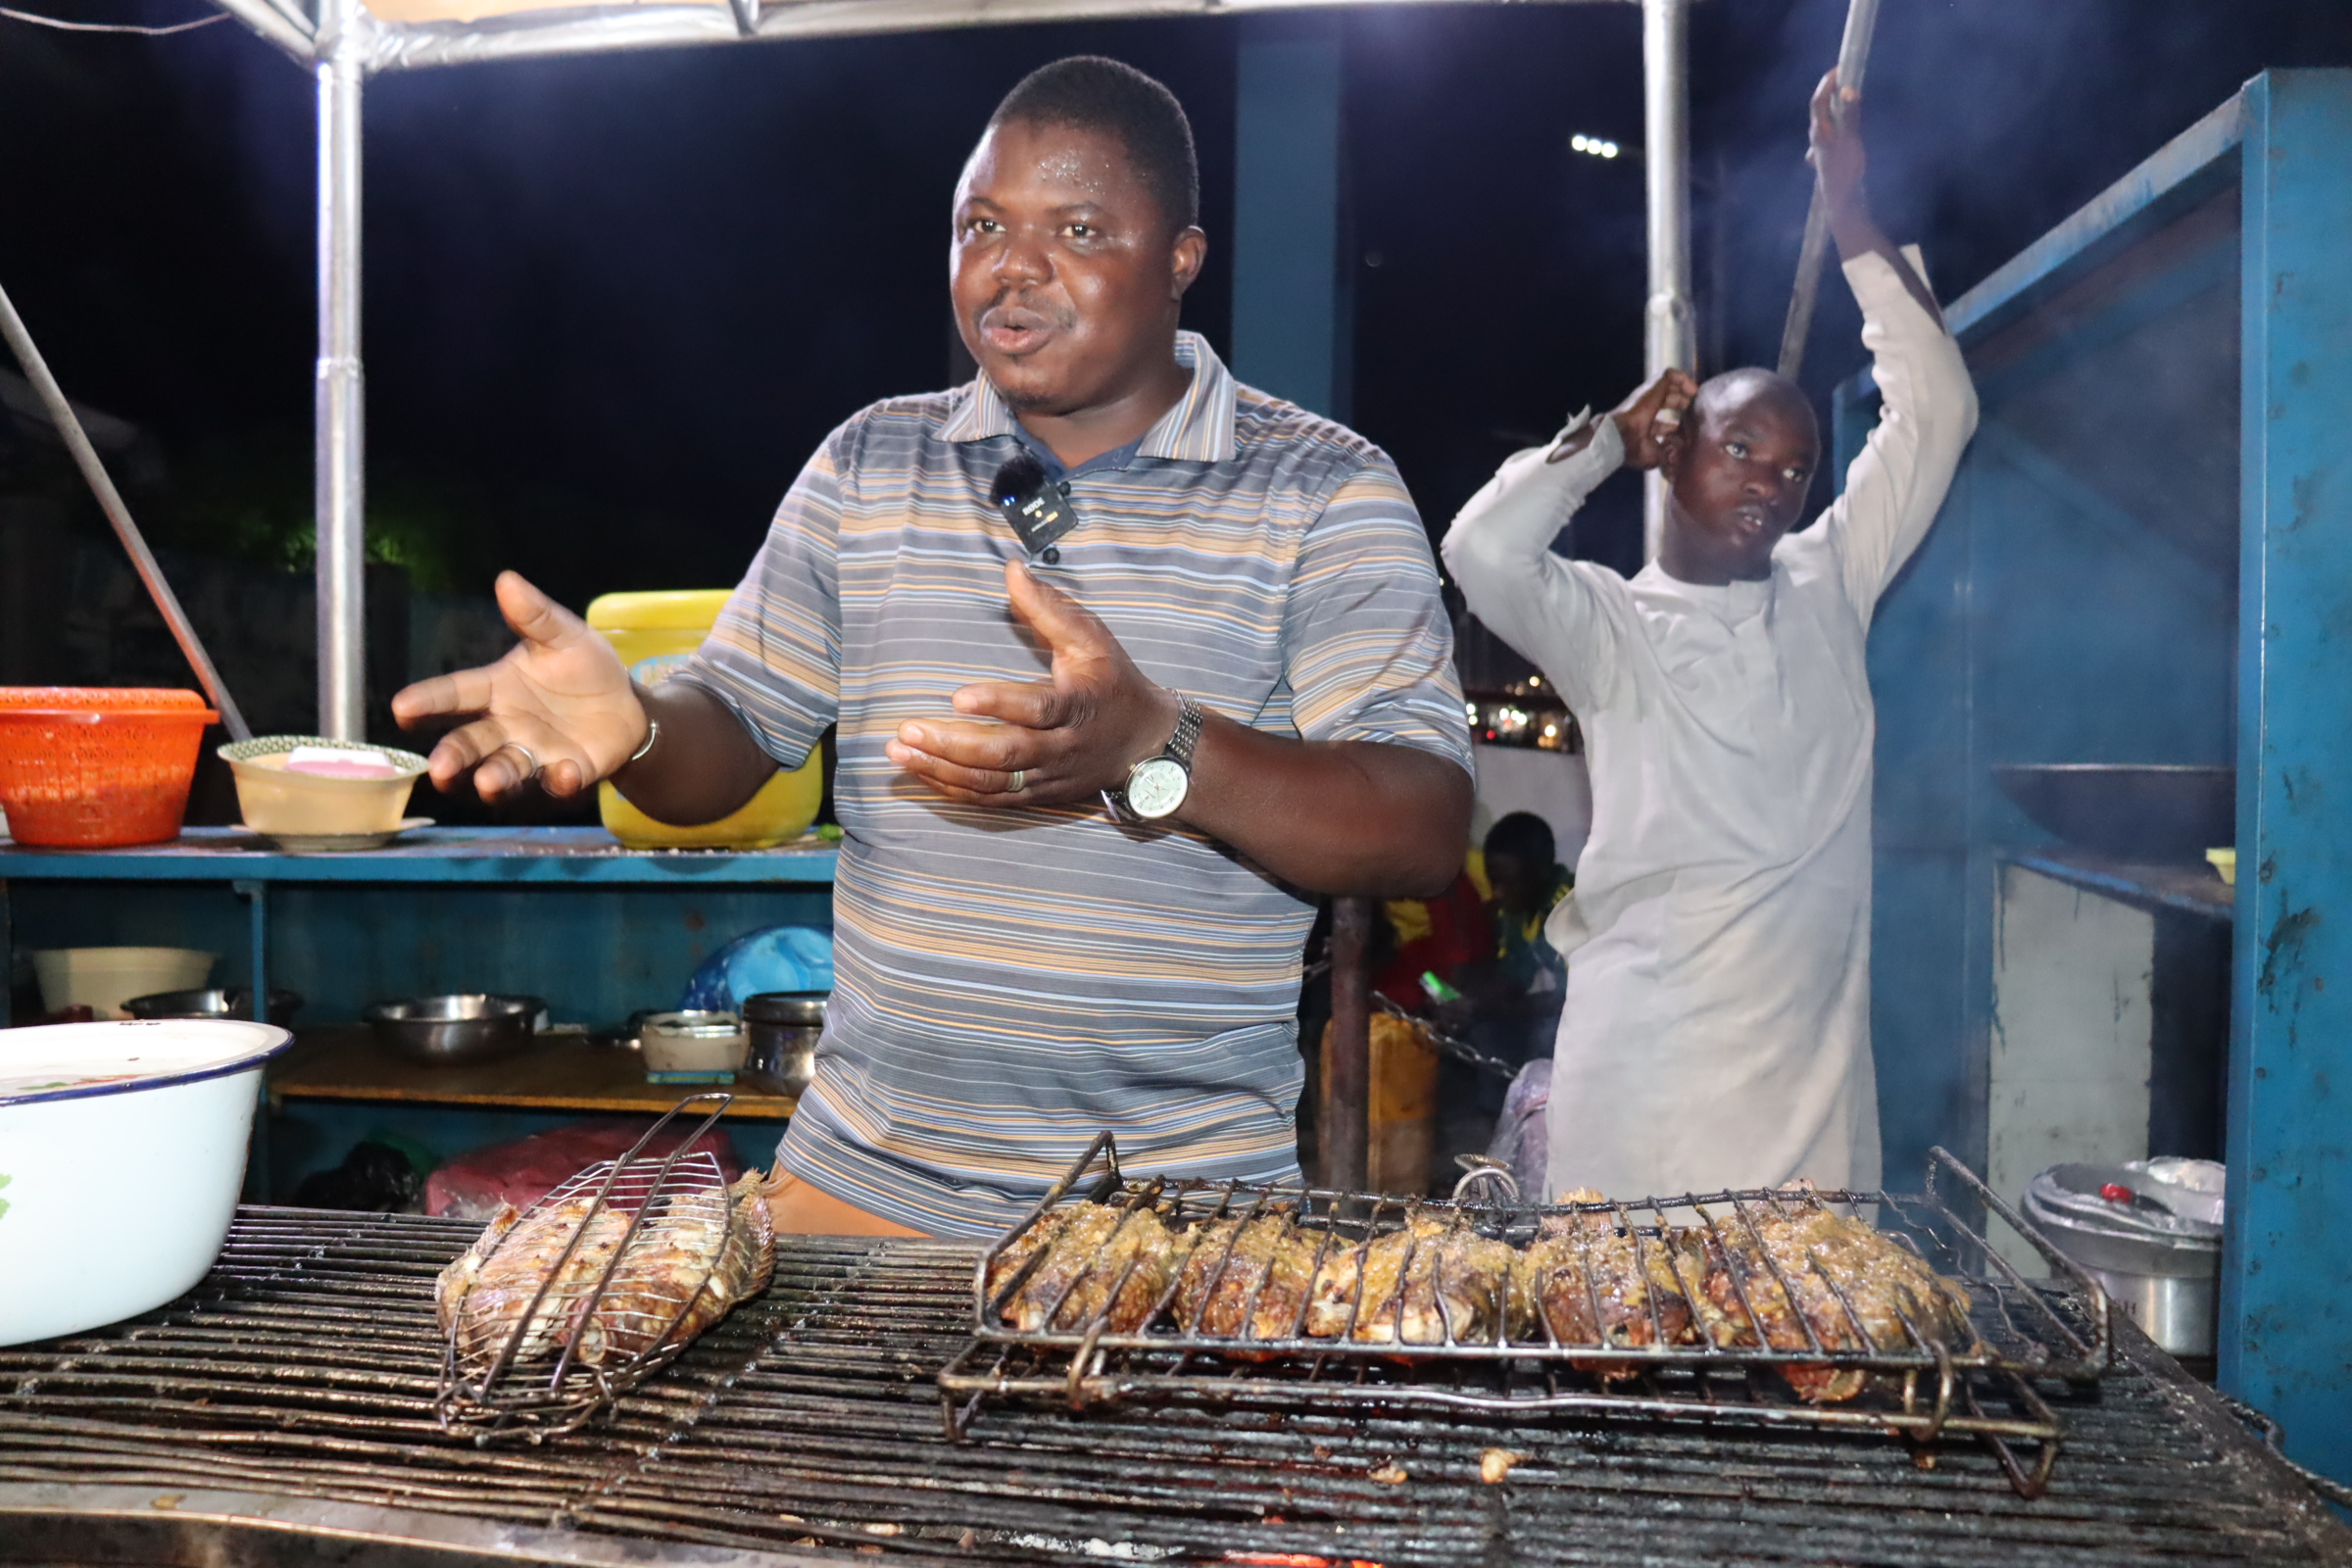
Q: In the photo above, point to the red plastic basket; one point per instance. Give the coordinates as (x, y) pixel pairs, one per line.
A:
(97, 766)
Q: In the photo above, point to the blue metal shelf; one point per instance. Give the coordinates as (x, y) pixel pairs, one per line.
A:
(2192, 889)
(497, 854)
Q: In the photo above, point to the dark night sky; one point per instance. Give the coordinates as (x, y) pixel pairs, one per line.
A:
(613, 303)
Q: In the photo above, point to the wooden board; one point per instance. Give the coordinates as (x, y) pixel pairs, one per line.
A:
(559, 1073)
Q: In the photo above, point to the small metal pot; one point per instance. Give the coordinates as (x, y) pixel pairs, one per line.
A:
(446, 1031)
(785, 1028)
(2162, 1268)
(215, 1003)
(694, 1041)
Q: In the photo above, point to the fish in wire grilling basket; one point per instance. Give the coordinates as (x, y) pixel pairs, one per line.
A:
(1247, 1279)
(697, 1254)
(1588, 1281)
(1771, 1274)
(1430, 1282)
(1097, 1259)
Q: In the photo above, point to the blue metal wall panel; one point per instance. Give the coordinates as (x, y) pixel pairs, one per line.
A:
(1288, 327)
(2287, 1315)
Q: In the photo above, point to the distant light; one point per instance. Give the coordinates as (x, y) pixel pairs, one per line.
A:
(1551, 730)
(1593, 146)
(1578, 142)
(1535, 680)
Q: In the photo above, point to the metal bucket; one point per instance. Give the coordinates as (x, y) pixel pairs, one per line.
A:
(785, 1028)
(2163, 1268)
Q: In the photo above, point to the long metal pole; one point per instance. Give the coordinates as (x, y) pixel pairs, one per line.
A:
(1668, 339)
(1344, 1119)
(110, 501)
(341, 432)
(1854, 58)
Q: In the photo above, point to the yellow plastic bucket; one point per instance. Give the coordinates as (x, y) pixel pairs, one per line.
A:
(649, 631)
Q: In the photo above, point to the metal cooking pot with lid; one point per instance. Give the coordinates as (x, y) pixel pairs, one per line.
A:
(2157, 1254)
(786, 1026)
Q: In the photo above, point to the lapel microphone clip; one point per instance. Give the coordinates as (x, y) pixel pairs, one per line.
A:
(1037, 508)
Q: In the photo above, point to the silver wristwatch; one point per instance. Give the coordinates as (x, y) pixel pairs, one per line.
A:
(1156, 786)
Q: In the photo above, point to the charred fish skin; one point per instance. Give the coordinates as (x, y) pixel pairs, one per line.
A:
(1591, 1282)
(454, 1282)
(1432, 1282)
(1100, 1262)
(1245, 1279)
(1773, 1274)
(532, 1255)
(692, 1260)
(690, 1265)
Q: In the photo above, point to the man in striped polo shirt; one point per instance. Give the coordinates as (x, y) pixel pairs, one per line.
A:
(1092, 768)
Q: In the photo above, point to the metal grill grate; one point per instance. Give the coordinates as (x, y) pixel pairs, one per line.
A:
(1917, 1385)
(808, 1422)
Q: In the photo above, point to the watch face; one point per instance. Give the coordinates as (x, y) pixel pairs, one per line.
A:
(1155, 788)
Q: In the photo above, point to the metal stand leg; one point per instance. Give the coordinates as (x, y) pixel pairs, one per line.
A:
(257, 1151)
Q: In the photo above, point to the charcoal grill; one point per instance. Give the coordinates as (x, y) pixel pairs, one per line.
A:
(283, 1412)
(1926, 1389)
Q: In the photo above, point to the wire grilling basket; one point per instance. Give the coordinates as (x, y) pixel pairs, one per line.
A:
(558, 1311)
(1401, 1303)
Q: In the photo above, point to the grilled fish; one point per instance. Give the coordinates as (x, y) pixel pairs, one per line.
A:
(691, 1262)
(1770, 1274)
(1588, 1282)
(482, 1297)
(1246, 1279)
(1433, 1282)
(1098, 1259)
(684, 1269)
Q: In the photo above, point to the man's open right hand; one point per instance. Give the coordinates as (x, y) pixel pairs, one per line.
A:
(558, 705)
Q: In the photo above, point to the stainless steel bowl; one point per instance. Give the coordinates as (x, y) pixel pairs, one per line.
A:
(214, 1001)
(785, 1028)
(448, 1030)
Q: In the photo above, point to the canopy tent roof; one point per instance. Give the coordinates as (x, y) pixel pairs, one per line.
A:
(345, 41)
(395, 35)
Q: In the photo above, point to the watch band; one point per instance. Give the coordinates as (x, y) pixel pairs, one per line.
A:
(1188, 719)
(1179, 749)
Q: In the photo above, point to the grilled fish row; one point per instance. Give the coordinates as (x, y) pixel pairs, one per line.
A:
(692, 1260)
(1584, 1281)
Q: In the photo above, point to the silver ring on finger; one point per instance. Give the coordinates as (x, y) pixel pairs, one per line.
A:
(1020, 780)
(528, 756)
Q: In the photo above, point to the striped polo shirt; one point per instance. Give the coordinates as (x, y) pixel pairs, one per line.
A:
(1008, 982)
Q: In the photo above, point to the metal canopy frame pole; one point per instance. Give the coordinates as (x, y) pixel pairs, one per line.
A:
(1853, 59)
(340, 500)
(1668, 335)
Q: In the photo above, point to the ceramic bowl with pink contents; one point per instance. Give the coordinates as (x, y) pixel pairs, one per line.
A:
(297, 789)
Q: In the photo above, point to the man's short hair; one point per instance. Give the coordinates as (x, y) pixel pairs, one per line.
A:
(1094, 94)
(1525, 837)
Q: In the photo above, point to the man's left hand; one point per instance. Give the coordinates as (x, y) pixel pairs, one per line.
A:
(1053, 741)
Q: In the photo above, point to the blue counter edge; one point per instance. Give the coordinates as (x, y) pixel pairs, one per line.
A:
(509, 854)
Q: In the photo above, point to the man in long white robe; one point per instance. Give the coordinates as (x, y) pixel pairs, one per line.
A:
(1716, 1031)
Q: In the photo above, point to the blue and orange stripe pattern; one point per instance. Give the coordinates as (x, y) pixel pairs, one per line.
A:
(1009, 982)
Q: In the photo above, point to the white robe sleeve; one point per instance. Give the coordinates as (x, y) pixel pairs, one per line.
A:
(1554, 612)
(1896, 485)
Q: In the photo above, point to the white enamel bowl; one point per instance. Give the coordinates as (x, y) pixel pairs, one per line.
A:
(121, 1155)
